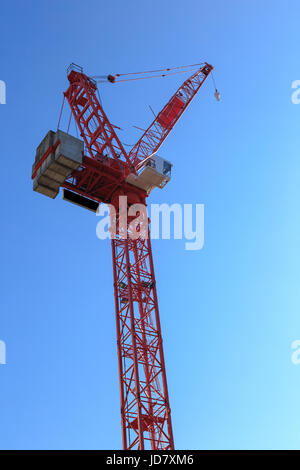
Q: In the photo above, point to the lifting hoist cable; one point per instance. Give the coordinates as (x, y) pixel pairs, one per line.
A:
(153, 76)
(114, 78)
(61, 111)
(213, 79)
(149, 71)
(216, 93)
(158, 70)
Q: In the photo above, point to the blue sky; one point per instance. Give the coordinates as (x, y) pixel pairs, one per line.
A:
(229, 312)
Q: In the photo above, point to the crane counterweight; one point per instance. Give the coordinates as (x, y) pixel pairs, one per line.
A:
(57, 156)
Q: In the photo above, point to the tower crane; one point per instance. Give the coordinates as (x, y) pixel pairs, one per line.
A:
(97, 169)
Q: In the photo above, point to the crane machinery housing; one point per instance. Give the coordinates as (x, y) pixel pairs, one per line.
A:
(96, 169)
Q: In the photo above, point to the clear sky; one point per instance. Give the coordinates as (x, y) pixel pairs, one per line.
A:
(229, 312)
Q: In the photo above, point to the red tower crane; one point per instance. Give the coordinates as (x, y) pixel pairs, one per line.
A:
(99, 170)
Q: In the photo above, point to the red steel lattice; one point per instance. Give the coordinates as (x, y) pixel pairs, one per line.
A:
(145, 407)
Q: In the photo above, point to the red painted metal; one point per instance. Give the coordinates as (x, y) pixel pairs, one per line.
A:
(145, 409)
(154, 136)
(171, 111)
(41, 161)
(99, 179)
(97, 132)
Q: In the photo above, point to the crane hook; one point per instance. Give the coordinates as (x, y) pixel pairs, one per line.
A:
(217, 95)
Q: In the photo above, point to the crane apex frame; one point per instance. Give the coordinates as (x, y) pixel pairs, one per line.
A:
(95, 170)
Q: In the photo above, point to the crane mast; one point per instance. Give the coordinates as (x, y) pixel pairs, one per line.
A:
(145, 407)
(104, 174)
